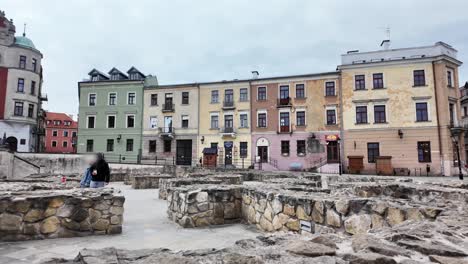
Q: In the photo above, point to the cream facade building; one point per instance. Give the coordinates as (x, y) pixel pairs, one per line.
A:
(170, 123)
(402, 104)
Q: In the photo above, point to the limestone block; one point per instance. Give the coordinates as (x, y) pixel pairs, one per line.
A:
(79, 214)
(358, 224)
(117, 210)
(85, 225)
(32, 229)
(20, 206)
(260, 205)
(277, 206)
(102, 206)
(116, 220)
(50, 212)
(201, 197)
(318, 212)
(50, 225)
(395, 216)
(301, 213)
(34, 215)
(230, 211)
(377, 221)
(86, 203)
(251, 215)
(192, 209)
(342, 207)
(289, 210)
(10, 222)
(114, 229)
(266, 225)
(268, 214)
(94, 215)
(56, 202)
(380, 207)
(293, 224)
(431, 212)
(246, 199)
(333, 218)
(279, 221)
(70, 224)
(101, 224)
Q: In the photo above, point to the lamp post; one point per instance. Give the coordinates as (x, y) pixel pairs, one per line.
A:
(455, 141)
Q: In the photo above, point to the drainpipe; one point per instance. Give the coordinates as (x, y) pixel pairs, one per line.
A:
(438, 125)
(342, 141)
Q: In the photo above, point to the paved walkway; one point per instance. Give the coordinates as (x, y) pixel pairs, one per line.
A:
(145, 226)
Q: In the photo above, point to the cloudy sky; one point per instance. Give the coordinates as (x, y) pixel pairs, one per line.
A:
(207, 40)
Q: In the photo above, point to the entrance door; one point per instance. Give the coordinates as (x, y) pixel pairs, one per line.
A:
(184, 152)
(228, 152)
(263, 153)
(332, 152)
(12, 143)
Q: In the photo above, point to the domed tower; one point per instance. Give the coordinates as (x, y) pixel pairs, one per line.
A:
(21, 114)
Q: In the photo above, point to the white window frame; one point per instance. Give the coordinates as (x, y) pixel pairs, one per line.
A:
(52, 143)
(107, 121)
(289, 90)
(128, 96)
(266, 92)
(240, 120)
(211, 97)
(305, 116)
(452, 77)
(56, 132)
(383, 81)
(87, 121)
(126, 120)
(108, 98)
(182, 119)
(429, 118)
(366, 87)
(387, 121)
(295, 92)
(266, 117)
(150, 123)
(63, 133)
(248, 97)
(355, 111)
(325, 87)
(95, 99)
(336, 117)
(211, 115)
(63, 142)
(279, 118)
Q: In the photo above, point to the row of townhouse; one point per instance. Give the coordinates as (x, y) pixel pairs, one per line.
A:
(398, 104)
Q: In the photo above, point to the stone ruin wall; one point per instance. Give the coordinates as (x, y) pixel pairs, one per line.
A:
(36, 216)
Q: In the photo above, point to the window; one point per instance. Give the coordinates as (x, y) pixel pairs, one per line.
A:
(359, 82)
(131, 98)
(91, 121)
(379, 114)
(331, 117)
(31, 110)
(372, 152)
(89, 145)
(243, 149)
(214, 145)
(243, 120)
(154, 99)
(112, 99)
(152, 146)
(20, 88)
(229, 96)
(134, 76)
(330, 89)
(130, 121)
(94, 78)
(262, 122)
(214, 122)
(73, 134)
(22, 141)
(115, 77)
(110, 145)
(421, 112)
(92, 100)
(361, 114)
(261, 94)
(465, 111)
(228, 121)
(34, 65)
(65, 133)
(185, 98)
(452, 114)
(284, 122)
(153, 122)
(214, 96)
(300, 91)
(54, 133)
(54, 144)
(300, 118)
(65, 144)
(284, 91)
(167, 146)
(111, 121)
(424, 151)
(449, 78)
(243, 95)
(57, 122)
(129, 144)
(419, 78)
(33, 87)
(284, 147)
(18, 109)
(301, 147)
(185, 121)
(378, 80)
(22, 62)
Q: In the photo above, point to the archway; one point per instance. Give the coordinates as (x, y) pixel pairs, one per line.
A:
(262, 149)
(12, 143)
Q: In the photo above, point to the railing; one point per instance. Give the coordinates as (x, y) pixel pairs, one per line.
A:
(168, 107)
(285, 129)
(43, 97)
(122, 158)
(227, 130)
(166, 130)
(284, 101)
(228, 104)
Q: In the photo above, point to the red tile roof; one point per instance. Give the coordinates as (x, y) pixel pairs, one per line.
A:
(51, 116)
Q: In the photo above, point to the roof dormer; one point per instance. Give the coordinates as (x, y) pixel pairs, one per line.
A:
(135, 74)
(116, 75)
(97, 76)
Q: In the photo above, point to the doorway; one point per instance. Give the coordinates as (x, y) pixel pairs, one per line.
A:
(332, 152)
(228, 152)
(184, 152)
(12, 143)
(263, 153)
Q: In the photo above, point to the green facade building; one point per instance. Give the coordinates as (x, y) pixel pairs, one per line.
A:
(111, 108)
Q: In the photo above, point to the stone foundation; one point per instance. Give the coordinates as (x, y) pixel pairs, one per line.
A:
(26, 215)
(148, 182)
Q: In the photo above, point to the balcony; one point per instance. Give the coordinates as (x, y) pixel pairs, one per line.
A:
(228, 105)
(284, 102)
(166, 132)
(43, 97)
(168, 108)
(227, 132)
(284, 129)
(464, 94)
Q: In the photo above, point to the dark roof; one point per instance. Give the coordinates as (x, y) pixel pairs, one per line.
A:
(95, 72)
(115, 70)
(133, 70)
(210, 151)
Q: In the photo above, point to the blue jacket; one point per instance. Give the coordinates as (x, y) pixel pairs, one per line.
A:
(86, 180)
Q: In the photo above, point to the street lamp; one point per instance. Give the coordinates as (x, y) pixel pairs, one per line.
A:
(455, 141)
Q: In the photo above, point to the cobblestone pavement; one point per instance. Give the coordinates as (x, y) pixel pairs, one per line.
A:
(145, 226)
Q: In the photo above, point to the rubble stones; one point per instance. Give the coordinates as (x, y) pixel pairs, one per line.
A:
(358, 224)
(310, 249)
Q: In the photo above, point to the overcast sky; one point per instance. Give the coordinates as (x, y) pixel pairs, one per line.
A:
(208, 40)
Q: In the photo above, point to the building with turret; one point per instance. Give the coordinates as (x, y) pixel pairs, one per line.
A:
(21, 115)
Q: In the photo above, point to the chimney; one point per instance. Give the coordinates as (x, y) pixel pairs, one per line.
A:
(255, 74)
(385, 44)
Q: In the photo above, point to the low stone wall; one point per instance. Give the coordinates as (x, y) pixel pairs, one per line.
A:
(52, 214)
(148, 182)
(198, 207)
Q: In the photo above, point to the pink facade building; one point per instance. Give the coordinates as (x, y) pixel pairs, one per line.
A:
(61, 133)
(295, 123)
